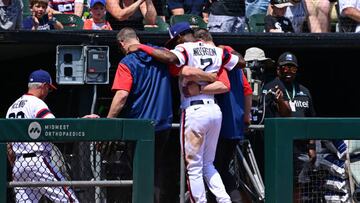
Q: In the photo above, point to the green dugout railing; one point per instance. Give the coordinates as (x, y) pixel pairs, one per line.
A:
(279, 136)
(76, 130)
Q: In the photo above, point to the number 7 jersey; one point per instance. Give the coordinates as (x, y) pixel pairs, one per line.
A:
(204, 56)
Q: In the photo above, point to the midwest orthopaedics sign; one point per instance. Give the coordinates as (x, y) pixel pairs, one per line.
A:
(61, 130)
(53, 130)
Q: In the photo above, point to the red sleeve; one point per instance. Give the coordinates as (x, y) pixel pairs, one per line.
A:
(173, 70)
(247, 87)
(123, 79)
(223, 77)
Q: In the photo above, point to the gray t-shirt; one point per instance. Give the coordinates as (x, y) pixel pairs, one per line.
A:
(11, 16)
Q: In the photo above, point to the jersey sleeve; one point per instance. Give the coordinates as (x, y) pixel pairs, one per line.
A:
(247, 87)
(223, 77)
(229, 60)
(41, 110)
(173, 70)
(123, 79)
(181, 54)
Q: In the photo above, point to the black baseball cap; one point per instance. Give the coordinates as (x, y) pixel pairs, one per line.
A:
(287, 58)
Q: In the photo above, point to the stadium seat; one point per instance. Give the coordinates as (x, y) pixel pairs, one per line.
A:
(70, 21)
(257, 23)
(194, 20)
(162, 26)
(26, 9)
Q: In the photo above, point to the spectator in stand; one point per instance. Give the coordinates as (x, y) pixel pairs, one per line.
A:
(227, 16)
(256, 7)
(97, 22)
(11, 14)
(276, 21)
(180, 7)
(67, 6)
(319, 15)
(131, 13)
(351, 9)
(40, 20)
(297, 14)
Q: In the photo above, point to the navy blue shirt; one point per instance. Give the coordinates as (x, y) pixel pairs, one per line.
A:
(194, 7)
(232, 107)
(150, 94)
(44, 23)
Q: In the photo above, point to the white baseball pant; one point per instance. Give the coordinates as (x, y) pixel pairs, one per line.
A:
(40, 168)
(200, 132)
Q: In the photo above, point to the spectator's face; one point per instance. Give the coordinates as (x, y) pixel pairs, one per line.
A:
(279, 11)
(38, 10)
(98, 11)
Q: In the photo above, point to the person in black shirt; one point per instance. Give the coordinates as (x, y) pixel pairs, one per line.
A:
(300, 102)
(276, 21)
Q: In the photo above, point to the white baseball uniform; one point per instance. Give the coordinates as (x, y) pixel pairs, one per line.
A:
(33, 159)
(201, 121)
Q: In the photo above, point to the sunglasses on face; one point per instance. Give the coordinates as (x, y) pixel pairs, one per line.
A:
(288, 68)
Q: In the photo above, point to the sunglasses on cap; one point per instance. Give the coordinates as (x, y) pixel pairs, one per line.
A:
(289, 67)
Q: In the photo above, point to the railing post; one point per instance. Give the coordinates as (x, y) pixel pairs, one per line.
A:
(143, 172)
(3, 175)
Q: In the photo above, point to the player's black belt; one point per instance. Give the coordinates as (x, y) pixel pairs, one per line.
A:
(29, 155)
(196, 102)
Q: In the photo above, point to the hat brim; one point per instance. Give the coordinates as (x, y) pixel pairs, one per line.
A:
(258, 59)
(283, 5)
(288, 62)
(52, 86)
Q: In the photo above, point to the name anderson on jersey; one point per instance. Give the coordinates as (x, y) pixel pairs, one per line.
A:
(204, 51)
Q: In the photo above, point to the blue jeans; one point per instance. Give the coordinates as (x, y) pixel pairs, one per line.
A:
(222, 23)
(256, 7)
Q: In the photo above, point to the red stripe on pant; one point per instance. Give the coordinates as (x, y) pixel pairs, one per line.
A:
(59, 179)
(183, 113)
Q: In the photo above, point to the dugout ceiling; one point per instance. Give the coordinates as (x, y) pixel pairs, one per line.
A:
(329, 66)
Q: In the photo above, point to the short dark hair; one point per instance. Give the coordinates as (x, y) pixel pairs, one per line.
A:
(203, 34)
(125, 34)
(43, 2)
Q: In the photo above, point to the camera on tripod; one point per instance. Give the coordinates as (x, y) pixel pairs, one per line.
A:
(258, 72)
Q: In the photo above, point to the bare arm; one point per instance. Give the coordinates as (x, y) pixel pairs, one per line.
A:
(78, 9)
(283, 106)
(352, 13)
(117, 103)
(197, 75)
(149, 12)
(216, 87)
(58, 25)
(161, 55)
(121, 14)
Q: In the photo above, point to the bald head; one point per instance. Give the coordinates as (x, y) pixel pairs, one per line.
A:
(126, 37)
(126, 34)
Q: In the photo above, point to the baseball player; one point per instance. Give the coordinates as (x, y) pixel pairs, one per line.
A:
(32, 161)
(201, 116)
